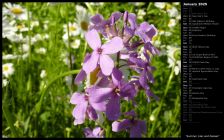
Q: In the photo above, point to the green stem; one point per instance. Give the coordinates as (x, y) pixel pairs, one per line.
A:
(84, 50)
(69, 46)
(29, 88)
(9, 120)
(38, 105)
(90, 8)
(163, 98)
(118, 59)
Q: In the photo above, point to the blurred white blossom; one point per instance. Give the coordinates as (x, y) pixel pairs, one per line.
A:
(7, 69)
(160, 5)
(174, 59)
(43, 74)
(4, 82)
(172, 23)
(41, 50)
(172, 12)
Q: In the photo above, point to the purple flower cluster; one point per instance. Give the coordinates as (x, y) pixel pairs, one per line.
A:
(122, 39)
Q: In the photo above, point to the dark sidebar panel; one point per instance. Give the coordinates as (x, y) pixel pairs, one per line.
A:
(202, 69)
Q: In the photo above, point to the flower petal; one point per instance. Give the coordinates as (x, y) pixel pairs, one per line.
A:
(77, 98)
(100, 106)
(88, 132)
(96, 131)
(80, 77)
(137, 130)
(97, 94)
(97, 19)
(132, 20)
(113, 108)
(91, 63)
(106, 64)
(93, 39)
(113, 46)
(79, 112)
(151, 32)
(144, 26)
(116, 76)
(148, 46)
(115, 15)
(91, 113)
(143, 80)
(119, 126)
(128, 90)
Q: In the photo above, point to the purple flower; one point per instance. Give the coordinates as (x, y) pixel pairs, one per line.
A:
(146, 76)
(145, 31)
(95, 133)
(114, 93)
(80, 76)
(85, 106)
(106, 27)
(100, 53)
(135, 127)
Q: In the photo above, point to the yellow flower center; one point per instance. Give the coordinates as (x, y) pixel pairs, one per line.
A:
(19, 27)
(72, 28)
(168, 7)
(84, 25)
(16, 10)
(117, 90)
(5, 68)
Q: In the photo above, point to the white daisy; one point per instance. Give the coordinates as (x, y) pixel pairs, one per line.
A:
(16, 11)
(7, 69)
(74, 30)
(82, 19)
(173, 54)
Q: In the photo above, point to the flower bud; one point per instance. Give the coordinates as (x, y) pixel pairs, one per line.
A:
(125, 17)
